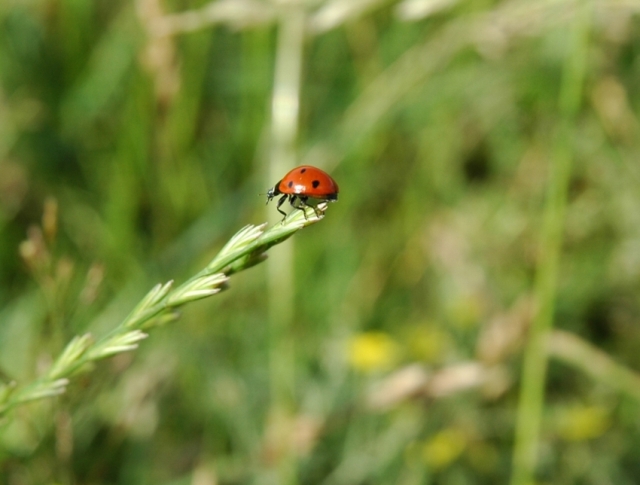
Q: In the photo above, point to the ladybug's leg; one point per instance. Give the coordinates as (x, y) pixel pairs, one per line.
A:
(300, 202)
(303, 203)
(280, 202)
(315, 209)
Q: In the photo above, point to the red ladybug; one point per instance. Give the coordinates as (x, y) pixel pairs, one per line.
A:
(301, 184)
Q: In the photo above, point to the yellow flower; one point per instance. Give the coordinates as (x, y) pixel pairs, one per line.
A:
(580, 423)
(372, 351)
(444, 448)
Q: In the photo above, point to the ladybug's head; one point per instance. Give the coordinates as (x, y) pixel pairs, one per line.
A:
(271, 193)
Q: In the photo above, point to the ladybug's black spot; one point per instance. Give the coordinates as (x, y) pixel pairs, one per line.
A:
(315, 184)
(290, 184)
(303, 170)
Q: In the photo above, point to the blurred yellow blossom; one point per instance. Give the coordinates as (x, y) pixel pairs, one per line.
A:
(444, 448)
(372, 351)
(580, 423)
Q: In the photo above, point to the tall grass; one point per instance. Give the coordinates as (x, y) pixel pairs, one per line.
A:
(535, 366)
(487, 173)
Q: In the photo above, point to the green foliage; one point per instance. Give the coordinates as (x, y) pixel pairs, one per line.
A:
(384, 345)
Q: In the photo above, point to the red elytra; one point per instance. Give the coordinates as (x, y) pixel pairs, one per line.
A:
(301, 184)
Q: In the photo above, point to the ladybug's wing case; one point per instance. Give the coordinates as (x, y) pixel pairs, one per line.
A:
(288, 185)
(309, 181)
(293, 187)
(322, 186)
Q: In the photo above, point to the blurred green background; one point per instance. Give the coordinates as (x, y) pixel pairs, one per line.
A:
(382, 345)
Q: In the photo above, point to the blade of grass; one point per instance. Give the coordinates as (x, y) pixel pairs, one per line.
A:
(246, 249)
(575, 352)
(530, 406)
(284, 134)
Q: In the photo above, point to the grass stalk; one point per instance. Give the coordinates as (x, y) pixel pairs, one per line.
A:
(244, 250)
(284, 132)
(530, 406)
(581, 355)
(285, 112)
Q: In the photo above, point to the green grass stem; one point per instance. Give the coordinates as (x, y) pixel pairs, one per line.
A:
(285, 114)
(530, 407)
(581, 355)
(244, 250)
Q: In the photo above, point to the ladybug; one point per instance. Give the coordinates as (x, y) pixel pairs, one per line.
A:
(301, 184)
